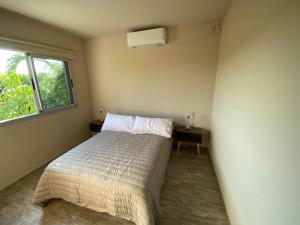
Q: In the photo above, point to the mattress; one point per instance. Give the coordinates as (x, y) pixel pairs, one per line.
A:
(114, 172)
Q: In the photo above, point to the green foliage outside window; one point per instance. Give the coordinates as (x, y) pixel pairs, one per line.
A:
(16, 96)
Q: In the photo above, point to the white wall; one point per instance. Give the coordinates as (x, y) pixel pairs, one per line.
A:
(26, 145)
(256, 123)
(171, 80)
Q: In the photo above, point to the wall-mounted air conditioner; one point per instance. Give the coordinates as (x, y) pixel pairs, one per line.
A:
(152, 37)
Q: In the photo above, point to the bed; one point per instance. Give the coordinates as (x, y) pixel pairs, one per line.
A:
(116, 172)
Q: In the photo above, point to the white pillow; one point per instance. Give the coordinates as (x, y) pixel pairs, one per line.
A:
(116, 122)
(158, 126)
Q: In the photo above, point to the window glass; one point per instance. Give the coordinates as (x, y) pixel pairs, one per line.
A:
(53, 82)
(16, 93)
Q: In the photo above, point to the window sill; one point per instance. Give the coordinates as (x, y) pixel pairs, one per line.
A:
(36, 115)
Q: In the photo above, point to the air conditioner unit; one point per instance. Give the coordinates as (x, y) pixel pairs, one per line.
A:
(152, 37)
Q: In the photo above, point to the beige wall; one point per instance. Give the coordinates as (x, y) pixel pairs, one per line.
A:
(26, 145)
(255, 122)
(171, 80)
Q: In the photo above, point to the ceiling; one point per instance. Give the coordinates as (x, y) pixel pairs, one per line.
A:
(92, 18)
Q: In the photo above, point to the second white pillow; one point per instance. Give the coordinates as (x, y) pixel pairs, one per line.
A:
(158, 126)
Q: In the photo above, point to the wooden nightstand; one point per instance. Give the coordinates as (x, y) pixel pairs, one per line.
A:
(95, 126)
(194, 135)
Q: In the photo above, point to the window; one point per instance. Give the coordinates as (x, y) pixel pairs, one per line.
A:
(32, 84)
(16, 93)
(52, 77)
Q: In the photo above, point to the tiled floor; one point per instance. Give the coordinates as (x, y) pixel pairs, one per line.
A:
(190, 196)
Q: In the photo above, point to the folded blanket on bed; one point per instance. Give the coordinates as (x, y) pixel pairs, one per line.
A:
(114, 172)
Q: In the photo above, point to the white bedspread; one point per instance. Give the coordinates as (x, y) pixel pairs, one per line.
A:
(114, 172)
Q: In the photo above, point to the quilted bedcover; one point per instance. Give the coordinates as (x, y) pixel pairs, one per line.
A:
(114, 172)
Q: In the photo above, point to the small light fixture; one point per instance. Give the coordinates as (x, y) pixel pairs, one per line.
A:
(101, 114)
(188, 116)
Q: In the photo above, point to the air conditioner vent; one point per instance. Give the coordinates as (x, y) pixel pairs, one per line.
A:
(152, 37)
